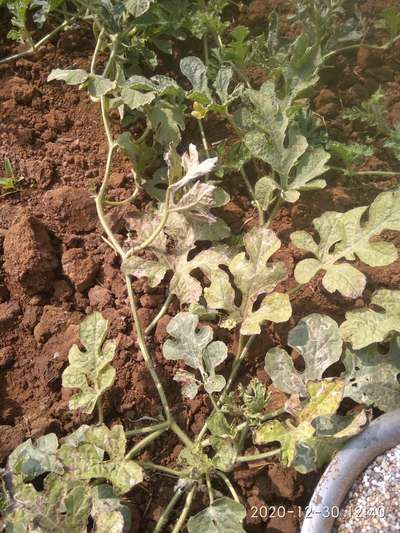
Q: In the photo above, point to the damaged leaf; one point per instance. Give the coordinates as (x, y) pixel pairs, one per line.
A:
(166, 258)
(317, 338)
(71, 494)
(316, 432)
(222, 516)
(343, 236)
(99, 452)
(372, 377)
(366, 326)
(253, 277)
(197, 350)
(90, 370)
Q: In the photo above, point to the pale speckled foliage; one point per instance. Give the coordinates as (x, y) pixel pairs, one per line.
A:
(274, 139)
(253, 276)
(372, 377)
(222, 516)
(317, 338)
(197, 349)
(317, 431)
(90, 370)
(344, 236)
(175, 257)
(366, 326)
(68, 499)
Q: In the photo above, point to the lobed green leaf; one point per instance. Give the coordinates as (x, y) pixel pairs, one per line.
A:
(90, 371)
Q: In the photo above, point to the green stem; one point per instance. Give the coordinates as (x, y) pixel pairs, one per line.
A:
(241, 353)
(385, 46)
(206, 51)
(258, 456)
(128, 200)
(252, 194)
(185, 511)
(181, 434)
(365, 172)
(160, 468)
(168, 510)
(274, 211)
(209, 489)
(229, 485)
(100, 410)
(40, 43)
(143, 348)
(203, 137)
(242, 438)
(143, 136)
(236, 364)
(147, 429)
(111, 58)
(100, 198)
(159, 315)
(96, 51)
(158, 229)
(143, 443)
(273, 414)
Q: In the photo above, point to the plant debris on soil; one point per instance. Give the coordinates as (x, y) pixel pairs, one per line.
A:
(56, 269)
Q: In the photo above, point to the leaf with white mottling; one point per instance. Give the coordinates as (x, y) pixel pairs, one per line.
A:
(183, 235)
(316, 433)
(137, 7)
(71, 77)
(317, 338)
(86, 459)
(253, 277)
(366, 326)
(190, 385)
(135, 99)
(264, 191)
(273, 138)
(90, 371)
(195, 71)
(372, 377)
(311, 165)
(222, 516)
(274, 307)
(344, 237)
(99, 86)
(196, 348)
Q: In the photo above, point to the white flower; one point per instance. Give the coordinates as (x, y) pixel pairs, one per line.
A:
(192, 167)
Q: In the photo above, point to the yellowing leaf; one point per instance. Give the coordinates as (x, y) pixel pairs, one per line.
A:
(343, 237)
(317, 338)
(198, 351)
(90, 370)
(317, 432)
(253, 277)
(366, 326)
(222, 516)
(372, 377)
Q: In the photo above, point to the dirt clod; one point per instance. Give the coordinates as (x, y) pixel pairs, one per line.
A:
(29, 257)
(70, 209)
(79, 267)
(7, 357)
(9, 311)
(99, 297)
(53, 320)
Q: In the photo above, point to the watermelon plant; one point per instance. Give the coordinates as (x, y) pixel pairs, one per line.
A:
(86, 476)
